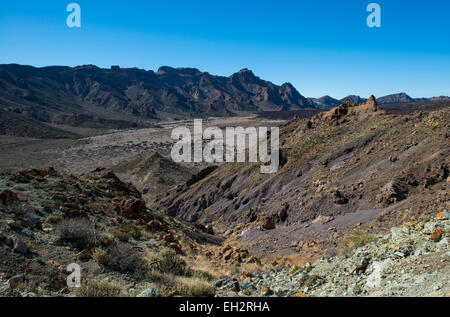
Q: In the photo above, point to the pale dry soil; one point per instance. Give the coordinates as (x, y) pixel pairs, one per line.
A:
(105, 150)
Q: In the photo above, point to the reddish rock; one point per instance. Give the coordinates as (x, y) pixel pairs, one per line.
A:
(8, 197)
(154, 226)
(133, 208)
(236, 287)
(267, 291)
(169, 238)
(437, 235)
(72, 206)
(443, 216)
(170, 293)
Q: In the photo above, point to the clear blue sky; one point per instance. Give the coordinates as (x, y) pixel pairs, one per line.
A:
(321, 47)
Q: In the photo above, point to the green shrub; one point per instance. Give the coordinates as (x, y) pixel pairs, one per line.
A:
(295, 269)
(168, 261)
(131, 230)
(121, 235)
(106, 240)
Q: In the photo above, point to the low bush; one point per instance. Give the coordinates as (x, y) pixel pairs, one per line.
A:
(54, 219)
(125, 259)
(168, 261)
(194, 287)
(78, 232)
(98, 289)
(99, 255)
(353, 240)
(121, 235)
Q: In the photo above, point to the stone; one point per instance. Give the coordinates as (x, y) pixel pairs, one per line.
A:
(176, 247)
(322, 219)
(221, 282)
(133, 208)
(280, 292)
(392, 192)
(8, 197)
(443, 216)
(210, 229)
(235, 286)
(267, 291)
(150, 292)
(437, 235)
(170, 293)
(397, 235)
(430, 227)
(442, 245)
(267, 222)
(154, 226)
(339, 198)
(169, 238)
(362, 267)
(19, 246)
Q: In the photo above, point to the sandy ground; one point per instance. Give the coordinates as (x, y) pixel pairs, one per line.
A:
(103, 151)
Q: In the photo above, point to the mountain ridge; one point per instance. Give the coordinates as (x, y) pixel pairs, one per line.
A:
(56, 93)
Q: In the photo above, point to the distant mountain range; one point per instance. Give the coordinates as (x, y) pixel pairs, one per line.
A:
(400, 98)
(88, 94)
(93, 97)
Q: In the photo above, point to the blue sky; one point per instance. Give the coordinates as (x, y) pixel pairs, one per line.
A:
(321, 47)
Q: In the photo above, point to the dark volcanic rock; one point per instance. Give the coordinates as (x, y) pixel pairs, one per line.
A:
(31, 93)
(8, 197)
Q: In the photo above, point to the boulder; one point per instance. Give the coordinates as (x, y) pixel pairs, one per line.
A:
(266, 222)
(235, 286)
(8, 197)
(133, 208)
(19, 246)
(151, 292)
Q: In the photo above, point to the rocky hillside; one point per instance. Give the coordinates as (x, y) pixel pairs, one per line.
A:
(354, 165)
(13, 124)
(89, 95)
(408, 261)
(155, 175)
(358, 207)
(50, 220)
